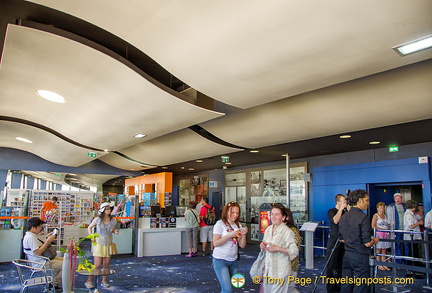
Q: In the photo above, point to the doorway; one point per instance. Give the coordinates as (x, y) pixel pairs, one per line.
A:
(384, 192)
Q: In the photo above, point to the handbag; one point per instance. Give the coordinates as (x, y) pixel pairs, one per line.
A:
(50, 252)
(113, 249)
(257, 268)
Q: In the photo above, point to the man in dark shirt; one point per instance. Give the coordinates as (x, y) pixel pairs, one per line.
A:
(355, 231)
(334, 265)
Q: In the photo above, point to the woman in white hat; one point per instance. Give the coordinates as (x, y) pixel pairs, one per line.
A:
(105, 226)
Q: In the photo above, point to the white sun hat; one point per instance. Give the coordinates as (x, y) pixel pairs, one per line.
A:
(104, 205)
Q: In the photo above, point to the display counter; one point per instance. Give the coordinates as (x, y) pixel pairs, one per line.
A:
(161, 241)
(10, 244)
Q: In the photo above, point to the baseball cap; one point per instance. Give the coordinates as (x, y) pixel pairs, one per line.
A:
(397, 194)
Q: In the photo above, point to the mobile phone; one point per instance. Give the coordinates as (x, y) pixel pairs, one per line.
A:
(54, 232)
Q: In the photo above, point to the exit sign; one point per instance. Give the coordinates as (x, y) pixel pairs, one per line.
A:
(393, 149)
(91, 154)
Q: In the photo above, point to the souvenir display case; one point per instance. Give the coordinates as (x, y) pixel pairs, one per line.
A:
(74, 209)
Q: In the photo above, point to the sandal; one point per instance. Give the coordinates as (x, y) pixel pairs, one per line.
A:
(89, 285)
(381, 268)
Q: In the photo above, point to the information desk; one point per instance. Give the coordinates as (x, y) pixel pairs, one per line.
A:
(162, 241)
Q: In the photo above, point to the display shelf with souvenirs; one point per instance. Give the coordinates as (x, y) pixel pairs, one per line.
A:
(74, 209)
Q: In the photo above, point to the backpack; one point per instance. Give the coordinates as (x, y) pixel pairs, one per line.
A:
(210, 217)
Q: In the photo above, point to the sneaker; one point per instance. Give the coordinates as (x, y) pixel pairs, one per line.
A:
(89, 285)
(105, 285)
(189, 255)
(203, 253)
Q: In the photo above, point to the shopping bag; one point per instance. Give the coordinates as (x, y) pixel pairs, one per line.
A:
(257, 268)
(113, 249)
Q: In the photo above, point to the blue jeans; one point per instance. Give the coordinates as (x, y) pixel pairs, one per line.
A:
(224, 270)
(402, 249)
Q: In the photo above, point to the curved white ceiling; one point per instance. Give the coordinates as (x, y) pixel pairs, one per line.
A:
(251, 52)
(106, 102)
(298, 69)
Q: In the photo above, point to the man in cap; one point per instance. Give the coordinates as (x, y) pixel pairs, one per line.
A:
(395, 213)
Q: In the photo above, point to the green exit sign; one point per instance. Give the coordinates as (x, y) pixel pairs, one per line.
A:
(393, 149)
(91, 154)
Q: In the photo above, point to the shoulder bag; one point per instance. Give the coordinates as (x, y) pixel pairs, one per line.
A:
(50, 252)
(257, 268)
(113, 249)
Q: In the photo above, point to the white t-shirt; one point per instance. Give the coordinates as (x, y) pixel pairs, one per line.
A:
(30, 244)
(428, 220)
(228, 250)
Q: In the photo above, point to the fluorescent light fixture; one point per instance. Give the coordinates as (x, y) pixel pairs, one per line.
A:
(254, 151)
(139, 135)
(23, 139)
(51, 96)
(414, 46)
(199, 161)
(164, 167)
(228, 163)
(345, 136)
(374, 142)
(191, 169)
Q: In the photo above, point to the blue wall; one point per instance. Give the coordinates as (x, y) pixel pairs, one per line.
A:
(330, 180)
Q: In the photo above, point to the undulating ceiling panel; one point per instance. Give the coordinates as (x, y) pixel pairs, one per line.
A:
(392, 97)
(251, 52)
(44, 144)
(107, 102)
(176, 147)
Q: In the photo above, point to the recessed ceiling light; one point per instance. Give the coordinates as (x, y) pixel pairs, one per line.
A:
(51, 96)
(254, 151)
(182, 168)
(345, 136)
(374, 142)
(414, 46)
(106, 151)
(199, 161)
(23, 139)
(139, 135)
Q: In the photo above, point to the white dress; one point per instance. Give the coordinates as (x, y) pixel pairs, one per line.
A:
(383, 223)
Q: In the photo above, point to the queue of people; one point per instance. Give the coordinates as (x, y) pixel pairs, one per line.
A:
(351, 238)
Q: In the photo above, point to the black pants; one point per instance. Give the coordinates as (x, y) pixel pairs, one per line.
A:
(355, 265)
(334, 266)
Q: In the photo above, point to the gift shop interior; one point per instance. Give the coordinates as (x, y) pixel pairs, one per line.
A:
(154, 104)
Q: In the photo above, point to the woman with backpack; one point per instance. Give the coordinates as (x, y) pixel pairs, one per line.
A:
(228, 236)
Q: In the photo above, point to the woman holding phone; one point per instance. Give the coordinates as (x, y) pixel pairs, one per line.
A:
(228, 236)
(280, 243)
